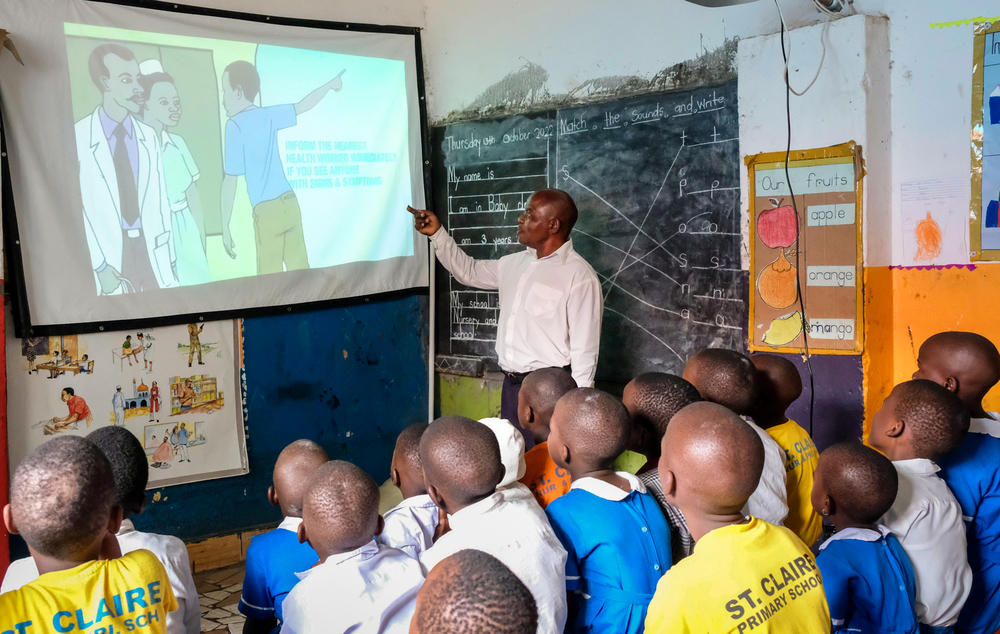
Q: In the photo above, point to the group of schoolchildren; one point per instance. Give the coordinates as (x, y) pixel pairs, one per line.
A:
(692, 504)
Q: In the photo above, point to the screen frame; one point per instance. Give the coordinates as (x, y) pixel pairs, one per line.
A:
(15, 283)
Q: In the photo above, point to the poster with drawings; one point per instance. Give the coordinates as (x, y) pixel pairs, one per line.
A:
(177, 388)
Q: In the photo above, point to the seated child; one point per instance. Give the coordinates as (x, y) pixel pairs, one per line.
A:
(616, 538)
(780, 385)
(867, 576)
(730, 379)
(274, 557)
(471, 591)
(745, 574)
(410, 525)
(63, 502)
(968, 365)
(919, 422)
(652, 399)
(462, 468)
(130, 472)
(539, 392)
(359, 585)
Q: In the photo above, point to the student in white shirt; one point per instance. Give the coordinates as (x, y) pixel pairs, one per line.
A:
(550, 297)
(130, 470)
(462, 468)
(918, 423)
(729, 378)
(411, 524)
(359, 585)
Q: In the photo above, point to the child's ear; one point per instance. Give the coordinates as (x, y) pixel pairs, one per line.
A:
(828, 506)
(564, 453)
(301, 532)
(436, 497)
(8, 520)
(895, 429)
(951, 384)
(394, 476)
(115, 519)
(380, 527)
(531, 414)
(669, 485)
(272, 496)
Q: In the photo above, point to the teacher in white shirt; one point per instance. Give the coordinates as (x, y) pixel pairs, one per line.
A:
(550, 297)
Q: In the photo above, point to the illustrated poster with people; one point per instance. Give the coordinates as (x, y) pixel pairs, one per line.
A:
(175, 387)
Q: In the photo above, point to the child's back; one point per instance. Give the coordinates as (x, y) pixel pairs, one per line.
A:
(919, 422)
(64, 504)
(410, 525)
(969, 364)
(868, 577)
(745, 574)
(274, 558)
(616, 538)
(780, 386)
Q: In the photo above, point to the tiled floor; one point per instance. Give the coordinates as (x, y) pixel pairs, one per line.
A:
(219, 591)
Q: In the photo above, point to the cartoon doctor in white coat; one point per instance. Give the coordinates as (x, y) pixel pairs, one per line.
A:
(121, 181)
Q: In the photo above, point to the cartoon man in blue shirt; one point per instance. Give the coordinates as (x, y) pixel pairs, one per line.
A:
(251, 151)
(182, 443)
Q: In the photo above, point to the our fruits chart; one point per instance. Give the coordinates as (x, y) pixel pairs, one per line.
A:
(805, 258)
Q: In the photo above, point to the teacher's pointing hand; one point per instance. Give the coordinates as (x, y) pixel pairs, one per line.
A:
(424, 221)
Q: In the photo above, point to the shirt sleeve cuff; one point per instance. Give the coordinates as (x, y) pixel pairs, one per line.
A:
(439, 234)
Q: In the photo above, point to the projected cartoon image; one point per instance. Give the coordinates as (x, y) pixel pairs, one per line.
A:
(204, 160)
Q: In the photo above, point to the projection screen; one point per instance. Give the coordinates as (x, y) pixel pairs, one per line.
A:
(171, 163)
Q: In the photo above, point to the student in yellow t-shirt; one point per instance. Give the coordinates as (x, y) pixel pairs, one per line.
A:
(780, 386)
(745, 575)
(535, 403)
(63, 502)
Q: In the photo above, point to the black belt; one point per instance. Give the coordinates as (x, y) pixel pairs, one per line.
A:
(516, 378)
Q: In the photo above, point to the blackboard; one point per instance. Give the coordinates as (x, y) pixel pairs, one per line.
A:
(656, 178)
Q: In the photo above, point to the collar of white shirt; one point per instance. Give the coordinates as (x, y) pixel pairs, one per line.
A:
(367, 551)
(421, 501)
(473, 511)
(562, 252)
(861, 534)
(291, 524)
(126, 527)
(989, 425)
(917, 466)
(608, 491)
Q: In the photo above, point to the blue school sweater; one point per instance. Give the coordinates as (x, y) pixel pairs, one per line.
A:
(869, 582)
(973, 474)
(618, 547)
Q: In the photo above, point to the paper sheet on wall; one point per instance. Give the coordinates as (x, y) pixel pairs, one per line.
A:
(935, 221)
(177, 388)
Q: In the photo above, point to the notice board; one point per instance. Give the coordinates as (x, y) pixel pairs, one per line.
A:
(805, 259)
(656, 180)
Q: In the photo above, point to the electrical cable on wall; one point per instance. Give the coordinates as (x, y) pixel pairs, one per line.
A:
(788, 179)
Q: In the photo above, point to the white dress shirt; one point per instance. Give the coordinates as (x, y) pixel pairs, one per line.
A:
(550, 308)
(511, 443)
(989, 425)
(410, 525)
(505, 525)
(168, 549)
(372, 589)
(769, 500)
(927, 520)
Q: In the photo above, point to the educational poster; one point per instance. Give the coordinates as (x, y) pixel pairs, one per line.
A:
(985, 213)
(815, 252)
(177, 388)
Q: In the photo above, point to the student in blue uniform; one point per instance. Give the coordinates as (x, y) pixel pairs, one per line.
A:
(869, 581)
(968, 365)
(616, 537)
(274, 557)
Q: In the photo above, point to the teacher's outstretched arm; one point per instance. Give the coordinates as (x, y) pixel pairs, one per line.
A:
(466, 269)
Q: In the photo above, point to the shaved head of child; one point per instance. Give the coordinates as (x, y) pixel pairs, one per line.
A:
(963, 362)
(652, 399)
(778, 386)
(537, 399)
(292, 472)
(590, 428)
(710, 464)
(339, 509)
(63, 501)
(461, 462)
(725, 377)
(854, 485)
(919, 419)
(129, 465)
(472, 592)
(405, 469)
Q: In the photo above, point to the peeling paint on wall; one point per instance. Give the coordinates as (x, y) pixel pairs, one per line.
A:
(525, 90)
